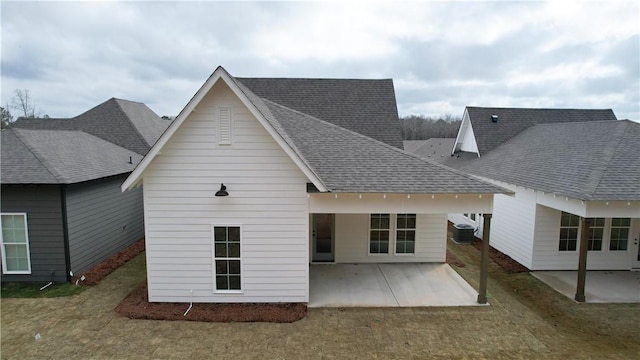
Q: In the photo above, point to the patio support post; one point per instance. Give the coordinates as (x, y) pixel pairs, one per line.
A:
(484, 259)
(585, 226)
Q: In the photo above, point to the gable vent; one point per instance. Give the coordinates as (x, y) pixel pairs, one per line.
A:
(225, 126)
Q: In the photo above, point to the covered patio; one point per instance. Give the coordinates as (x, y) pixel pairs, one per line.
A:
(600, 287)
(388, 285)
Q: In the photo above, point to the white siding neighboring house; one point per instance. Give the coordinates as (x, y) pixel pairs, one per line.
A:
(304, 183)
(562, 165)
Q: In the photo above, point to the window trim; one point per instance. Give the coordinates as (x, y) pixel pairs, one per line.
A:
(214, 258)
(611, 227)
(27, 244)
(560, 227)
(590, 240)
(389, 230)
(393, 235)
(606, 237)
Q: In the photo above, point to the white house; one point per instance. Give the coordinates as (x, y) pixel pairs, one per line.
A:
(563, 165)
(257, 178)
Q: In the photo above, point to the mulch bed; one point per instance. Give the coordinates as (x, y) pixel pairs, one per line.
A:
(137, 306)
(100, 271)
(503, 260)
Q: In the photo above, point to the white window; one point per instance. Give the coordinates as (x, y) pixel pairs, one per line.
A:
(596, 234)
(225, 131)
(227, 258)
(569, 225)
(387, 231)
(619, 234)
(15, 244)
(379, 230)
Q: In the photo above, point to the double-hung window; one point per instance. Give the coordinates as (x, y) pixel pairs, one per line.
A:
(619, 234)
(15, 244)
(569, 225)
(387, 231)
(405, 233)
(596, 234)
(379, 233)
(226, 241)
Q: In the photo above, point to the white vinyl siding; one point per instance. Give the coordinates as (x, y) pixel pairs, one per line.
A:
(15, 244)
(225, 132)
(267, 195)
(512, 226)
(352, 240)
(547, 257)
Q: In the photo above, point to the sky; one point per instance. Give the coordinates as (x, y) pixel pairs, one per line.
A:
(442, 56)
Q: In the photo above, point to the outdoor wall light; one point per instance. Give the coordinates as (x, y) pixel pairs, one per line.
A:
(222, 191)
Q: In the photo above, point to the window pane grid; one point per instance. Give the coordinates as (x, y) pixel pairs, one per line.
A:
(379, 233)
(568, 239)
(596, 233)
(15, 243)
(405, 233)
(227, 257)
(619, 234)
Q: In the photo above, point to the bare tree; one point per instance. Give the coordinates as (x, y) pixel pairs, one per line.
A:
(420, 127)
(5, 117)
(23, 103)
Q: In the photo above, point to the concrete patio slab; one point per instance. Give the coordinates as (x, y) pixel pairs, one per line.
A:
(601, 286)
(388, 285)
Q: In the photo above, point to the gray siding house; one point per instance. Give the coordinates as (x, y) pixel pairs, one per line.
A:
(62, 210)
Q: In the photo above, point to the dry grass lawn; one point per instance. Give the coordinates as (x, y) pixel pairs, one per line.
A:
(526, 319)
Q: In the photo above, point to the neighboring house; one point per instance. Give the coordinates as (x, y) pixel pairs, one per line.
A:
(62, 210)
(562, 165)
(257, 178)
(430, 148)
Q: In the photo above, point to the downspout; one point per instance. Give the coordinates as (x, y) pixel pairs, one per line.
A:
(65, 231)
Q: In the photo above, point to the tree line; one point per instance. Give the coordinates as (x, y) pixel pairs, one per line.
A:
(420, 127)
(22, 105)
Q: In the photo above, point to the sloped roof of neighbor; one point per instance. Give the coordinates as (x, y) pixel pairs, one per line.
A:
(60, 157)
(129, 124)
(431, 148)
(595, 160)
(512, 121)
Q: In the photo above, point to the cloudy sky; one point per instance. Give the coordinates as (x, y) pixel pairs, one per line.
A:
(442, 56)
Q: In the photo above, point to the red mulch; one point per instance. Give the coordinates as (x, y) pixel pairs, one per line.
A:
(137, 306)
(100, 271)
(505, 262)
(453, 260)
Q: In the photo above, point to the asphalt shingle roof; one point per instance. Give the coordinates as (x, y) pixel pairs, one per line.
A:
(433, 148)
(594, 160)
(346, 161)
(60, 157)
(512, 121)
(131, 125)
(365, 106)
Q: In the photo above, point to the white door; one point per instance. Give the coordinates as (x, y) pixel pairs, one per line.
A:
(635, 249)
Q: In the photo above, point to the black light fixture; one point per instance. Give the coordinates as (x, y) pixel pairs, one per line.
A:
(222, 191)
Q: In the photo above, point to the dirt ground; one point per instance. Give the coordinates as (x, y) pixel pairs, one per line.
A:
(525, 320)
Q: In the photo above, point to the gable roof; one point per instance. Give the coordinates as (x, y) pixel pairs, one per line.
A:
(430, 148)
(594, 160)
(512, 121)
(131, 125)
(334, 158)
(60, 157)
(365, 106)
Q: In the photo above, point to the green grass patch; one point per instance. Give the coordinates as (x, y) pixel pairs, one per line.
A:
(32, 290)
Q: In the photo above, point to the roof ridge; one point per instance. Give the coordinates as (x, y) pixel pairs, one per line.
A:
(427, 161)
(535, 108)
(135, 129)
(35, 153)
(607, 157)
(310, 78)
